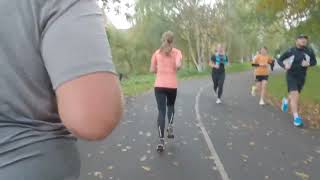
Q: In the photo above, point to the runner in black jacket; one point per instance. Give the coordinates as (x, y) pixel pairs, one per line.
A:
(296, 62)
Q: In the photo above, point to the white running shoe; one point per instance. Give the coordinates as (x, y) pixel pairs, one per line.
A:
(160, 147)
(262, 103)
(218, 101)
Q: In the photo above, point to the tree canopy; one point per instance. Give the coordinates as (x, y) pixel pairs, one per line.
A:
(242, 26)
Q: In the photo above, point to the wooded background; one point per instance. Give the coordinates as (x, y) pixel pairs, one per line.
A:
(243, 26)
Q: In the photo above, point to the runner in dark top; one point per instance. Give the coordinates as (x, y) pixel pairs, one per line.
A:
(296, 62)
(218, 62)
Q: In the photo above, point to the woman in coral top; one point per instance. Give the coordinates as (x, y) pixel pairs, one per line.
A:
(165, 63)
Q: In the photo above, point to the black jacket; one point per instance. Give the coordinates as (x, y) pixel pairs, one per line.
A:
(298, 55)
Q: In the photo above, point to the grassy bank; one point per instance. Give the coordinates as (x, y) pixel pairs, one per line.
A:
(137, 84)
(310, 97)
(311, 92)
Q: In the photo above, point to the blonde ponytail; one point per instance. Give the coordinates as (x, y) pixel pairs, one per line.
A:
(167, 42)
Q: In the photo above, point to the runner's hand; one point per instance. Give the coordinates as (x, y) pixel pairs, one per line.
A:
(287, 66)
(216, 66)
(305, 63)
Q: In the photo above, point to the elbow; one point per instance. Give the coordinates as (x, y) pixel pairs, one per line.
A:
(152, 70)
(96, 129)
(94, 121)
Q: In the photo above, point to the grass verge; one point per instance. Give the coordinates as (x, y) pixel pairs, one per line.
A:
(137, 84)
(310, 97)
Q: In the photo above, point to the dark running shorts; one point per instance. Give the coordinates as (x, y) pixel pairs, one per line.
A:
(262, 78)
(294, 83)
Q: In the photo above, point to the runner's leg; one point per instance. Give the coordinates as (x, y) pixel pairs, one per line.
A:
(258, 86)
(171, 99)
(220, 84)
(264, 84)
(161, 102)
(294, 100)
(295, 86)
(215, 79)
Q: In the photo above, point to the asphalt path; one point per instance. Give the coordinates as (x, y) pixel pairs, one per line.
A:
(237, 140)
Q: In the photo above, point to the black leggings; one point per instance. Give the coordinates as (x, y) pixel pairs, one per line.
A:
(218, 82)
(166, 98)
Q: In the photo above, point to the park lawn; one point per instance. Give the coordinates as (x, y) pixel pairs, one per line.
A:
(311, 93)
(310, 97)
(137, 84)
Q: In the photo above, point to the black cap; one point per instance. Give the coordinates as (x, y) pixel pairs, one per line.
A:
(302, 36)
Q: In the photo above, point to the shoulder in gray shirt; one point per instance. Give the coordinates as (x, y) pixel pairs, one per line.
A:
(43, 44)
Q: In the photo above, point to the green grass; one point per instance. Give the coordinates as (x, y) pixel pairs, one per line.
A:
(311, 93)
(237, 67)
(137, 84)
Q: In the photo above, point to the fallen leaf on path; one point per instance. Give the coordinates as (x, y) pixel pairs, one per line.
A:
(175, 163)
(143, 158)
(89, 155)
(214, 168)
(140, 133)
(234, 127)
(310, 158)
(302, 175)
(170, 153)
(119, 145)
(98, 174)
(124, 150)
(110, 168)
(149, 151)
(128, 147)
(244, 156)
(101, 152)
(146, 168)
(252, 143)
(148, 134)
(195, 139)
(266, 177)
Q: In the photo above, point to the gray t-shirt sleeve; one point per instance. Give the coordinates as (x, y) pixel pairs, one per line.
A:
(76, 44)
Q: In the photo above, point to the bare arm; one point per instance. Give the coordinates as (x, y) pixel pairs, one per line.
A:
(153, 65)
(90, 106)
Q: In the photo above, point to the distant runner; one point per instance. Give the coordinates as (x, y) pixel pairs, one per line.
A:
(217, 63)
(261, 64)
(296, 62)
(253, 87)
(165, 63)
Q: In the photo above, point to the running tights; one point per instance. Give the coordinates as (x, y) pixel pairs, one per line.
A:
(218, 82)
(166, 98)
